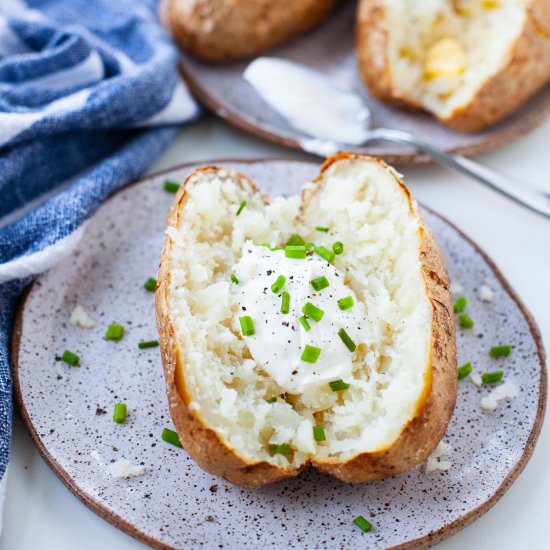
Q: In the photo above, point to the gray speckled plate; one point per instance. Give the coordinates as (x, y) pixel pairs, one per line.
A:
(167, 506)
(329, 48)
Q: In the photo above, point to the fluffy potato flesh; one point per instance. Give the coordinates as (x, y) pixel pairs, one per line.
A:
(442, 51)
(223, 384)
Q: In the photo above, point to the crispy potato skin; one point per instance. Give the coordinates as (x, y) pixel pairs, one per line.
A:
(418, 438)
(225, 30)
(526, 71)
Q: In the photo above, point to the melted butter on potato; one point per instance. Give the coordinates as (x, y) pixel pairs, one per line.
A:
(446, 58)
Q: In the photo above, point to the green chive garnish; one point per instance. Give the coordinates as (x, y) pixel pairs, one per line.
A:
(296, 252)
(311, 354)
(296, 240)
(70, 358)
(309, 246)
(338, 385)
(285, 302)
(313, 312)
(344, 336)
(319, 433)
(247, 325)
(114, 332)
(234, 279)
(267, 245)
(271, 400)
(150, 284)
(500, 351)
(465, 321)
(460, 304)
(338, 247)
(304, 323)
(464, 370)
(319, 283)
(363, 524)
(282, 449)
(148, 344)
(278, 284)
(241, 208)
(170, 436)
(325, 253)
(346, 303)
(119, 415)
(492, 377)
(322, 229)
(171, 186)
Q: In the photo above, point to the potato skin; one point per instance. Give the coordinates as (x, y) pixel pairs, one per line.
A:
(225, 30)
(202, 443)
(526, 72)
(418, 438)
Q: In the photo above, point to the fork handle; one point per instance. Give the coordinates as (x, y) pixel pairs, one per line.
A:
(528, 197)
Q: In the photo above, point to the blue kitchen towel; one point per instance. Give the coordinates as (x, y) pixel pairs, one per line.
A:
(89, 97)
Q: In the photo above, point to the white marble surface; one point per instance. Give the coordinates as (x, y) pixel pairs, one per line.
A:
(40, 513)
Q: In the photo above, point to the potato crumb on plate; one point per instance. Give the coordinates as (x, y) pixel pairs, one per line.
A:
(123, 469)
(80, 318)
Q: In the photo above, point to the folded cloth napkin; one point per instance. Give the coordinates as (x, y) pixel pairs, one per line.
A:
(89, 97)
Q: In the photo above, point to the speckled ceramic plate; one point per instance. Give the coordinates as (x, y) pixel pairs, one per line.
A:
(329, 48)
(68, 410)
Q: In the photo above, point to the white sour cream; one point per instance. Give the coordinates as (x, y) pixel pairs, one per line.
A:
(309, 101)
(279, 338)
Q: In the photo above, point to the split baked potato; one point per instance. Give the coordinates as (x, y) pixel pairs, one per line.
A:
(468, 62)
(225, 30)
(360, 386)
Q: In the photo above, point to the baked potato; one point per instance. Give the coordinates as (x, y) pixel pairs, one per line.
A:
(313, 330)
(468, 62)
(225, 30)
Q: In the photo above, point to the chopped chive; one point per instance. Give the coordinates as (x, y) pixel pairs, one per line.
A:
(241, 208)
(325, 253)
(296, 240)
(148, 344)
(278, 284)
(319, 433)
(346, 303)
(247, 325)
(349, 343)
(234, 279)
(272, 248)
(150, 284)
(319, 283)
(285, 302)
(310, 354)
(500, 351)
(465, 321)
(119, 414)
(70, 358)
(170, 436)
(282, 449)
(322, 229)
(338, 385)
(296, 252)
(363, 524)
(309, 246)
(492, 377)
(464, 370)
(271, 399)
(338, 247)
(460, 304)
(171, 186)
(304, 323)
(313, 312)
(114, 332)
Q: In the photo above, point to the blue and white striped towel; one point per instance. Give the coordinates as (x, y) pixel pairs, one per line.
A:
(89, 97)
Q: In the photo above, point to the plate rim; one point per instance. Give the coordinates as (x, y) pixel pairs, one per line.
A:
(431, 538)
(510, 134)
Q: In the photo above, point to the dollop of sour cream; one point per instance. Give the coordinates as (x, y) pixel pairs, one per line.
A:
(280, 339)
